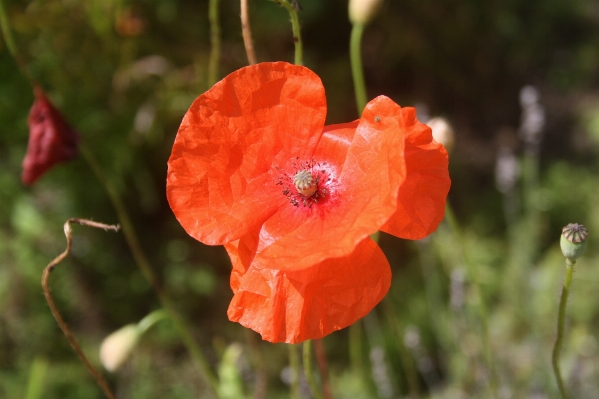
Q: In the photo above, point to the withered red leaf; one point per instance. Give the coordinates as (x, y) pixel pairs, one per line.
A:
(51, 139)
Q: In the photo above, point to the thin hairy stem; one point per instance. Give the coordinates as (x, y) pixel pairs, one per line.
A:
(292, 8)
(215, 42)
(357, 70)
(54, 309)
(246, 32)
(561, 325)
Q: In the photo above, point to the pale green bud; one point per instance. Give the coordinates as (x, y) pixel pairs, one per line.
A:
(117, 347)
(363, 11)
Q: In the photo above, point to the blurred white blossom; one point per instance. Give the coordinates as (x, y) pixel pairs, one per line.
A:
(442, 132)
(117, 347)
(507, 170)
(533, 117)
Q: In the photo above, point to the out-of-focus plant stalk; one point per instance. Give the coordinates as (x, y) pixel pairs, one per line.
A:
(323, 368)
(37, 374)
(215, 42)
(407, 360)
(6, 32)
(295, 27)
(561, 321)
(54, 309)
(307, 355)
(357, 70)
(355, 349)
(481, 303)
(10, 44)
(246, 32)
(256, 357)
(144, 265)
(294, 364)
(433, 290)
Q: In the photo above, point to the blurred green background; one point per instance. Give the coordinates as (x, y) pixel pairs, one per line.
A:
(123, 72)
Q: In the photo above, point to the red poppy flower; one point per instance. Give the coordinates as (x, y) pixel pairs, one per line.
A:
(51, 139)
(294, 202)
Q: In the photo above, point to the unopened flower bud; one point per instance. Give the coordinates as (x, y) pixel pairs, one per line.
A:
(574, 240)
(362, 11)
(117, 347)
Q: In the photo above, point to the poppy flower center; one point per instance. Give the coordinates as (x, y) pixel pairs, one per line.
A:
(305, 183)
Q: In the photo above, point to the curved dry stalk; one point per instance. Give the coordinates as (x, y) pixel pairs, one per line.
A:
(246, 31)
(61, 323)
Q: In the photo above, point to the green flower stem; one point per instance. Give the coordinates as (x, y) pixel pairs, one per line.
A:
(295, 27)
(307, 349)
(214, 42)
(357, 70)
(151, 319)
(561, 321)
(482, 308)
(355, 348)
(294, 363)
(144, 265)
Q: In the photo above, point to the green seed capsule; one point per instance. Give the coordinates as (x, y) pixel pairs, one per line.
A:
(574, 240)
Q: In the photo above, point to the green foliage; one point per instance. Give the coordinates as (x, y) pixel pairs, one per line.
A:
(124, 72)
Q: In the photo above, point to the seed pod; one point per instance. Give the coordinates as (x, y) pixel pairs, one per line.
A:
(574, 240)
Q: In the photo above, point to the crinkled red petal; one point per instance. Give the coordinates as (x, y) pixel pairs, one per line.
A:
(51, 139)
(367, 169)
(220, 179)
(422, 196)
(295, 305)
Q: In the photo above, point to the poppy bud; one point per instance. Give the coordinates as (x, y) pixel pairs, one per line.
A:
(51, 139)
(574, 240)
(117, 347)
(362, 11)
